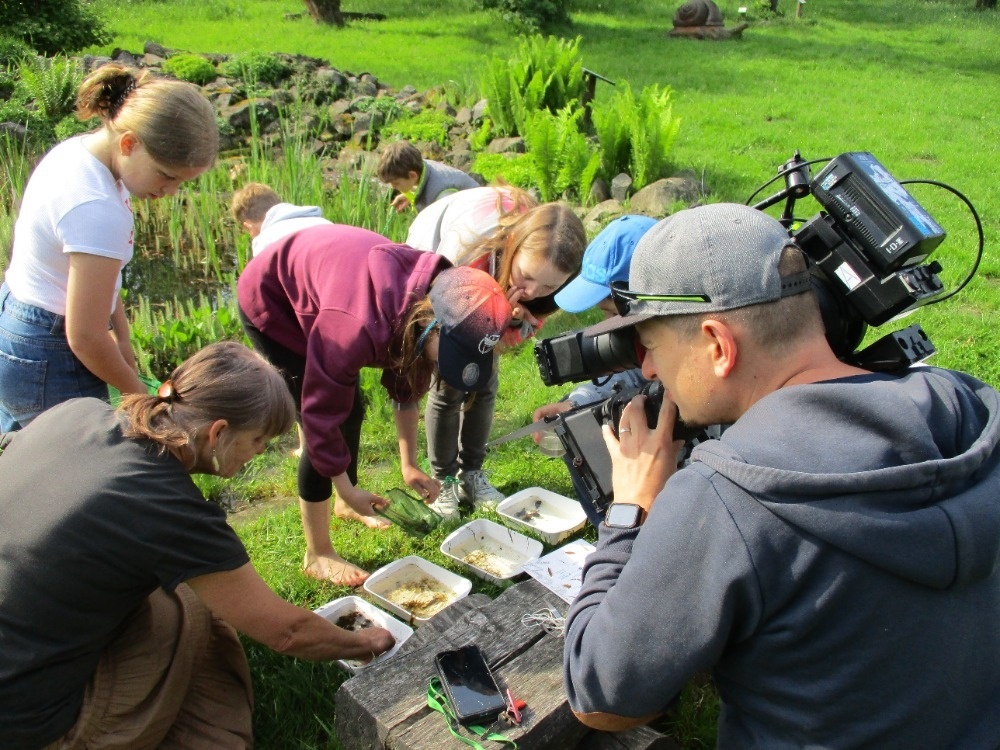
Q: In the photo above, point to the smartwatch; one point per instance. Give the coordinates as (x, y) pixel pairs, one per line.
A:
(624, 516)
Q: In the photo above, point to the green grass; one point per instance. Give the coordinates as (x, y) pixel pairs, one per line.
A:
(913, 81)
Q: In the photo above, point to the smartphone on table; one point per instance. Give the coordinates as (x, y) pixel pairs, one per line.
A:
(469, 685)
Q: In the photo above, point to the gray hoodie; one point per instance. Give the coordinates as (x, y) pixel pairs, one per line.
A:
(833, 558)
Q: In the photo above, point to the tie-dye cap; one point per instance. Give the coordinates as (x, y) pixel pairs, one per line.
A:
(473, 313)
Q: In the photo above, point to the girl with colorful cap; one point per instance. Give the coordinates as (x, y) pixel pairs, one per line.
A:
(531, 250)
(63, 329)
(330, 300)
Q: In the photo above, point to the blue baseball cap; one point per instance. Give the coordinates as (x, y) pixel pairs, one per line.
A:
(606, 259)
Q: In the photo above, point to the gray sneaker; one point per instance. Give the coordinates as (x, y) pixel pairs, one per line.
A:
(477, 490)
(448, 500)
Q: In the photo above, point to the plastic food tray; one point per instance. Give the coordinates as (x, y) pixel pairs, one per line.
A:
(553, 517)
(503, 550)
(346, 605)
(408, 570)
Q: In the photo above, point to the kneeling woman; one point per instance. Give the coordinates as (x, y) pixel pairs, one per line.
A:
(120, 586)
(330, 300)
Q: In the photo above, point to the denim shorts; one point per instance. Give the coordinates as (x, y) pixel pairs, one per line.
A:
(37, 368)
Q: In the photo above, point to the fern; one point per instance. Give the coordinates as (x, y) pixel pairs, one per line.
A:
(51, 83)
(637, 134)
(545, 74)
(562, 158)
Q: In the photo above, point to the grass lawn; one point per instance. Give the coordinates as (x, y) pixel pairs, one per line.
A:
(913, 81)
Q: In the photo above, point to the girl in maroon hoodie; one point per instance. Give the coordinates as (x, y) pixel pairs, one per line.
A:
(330, 300)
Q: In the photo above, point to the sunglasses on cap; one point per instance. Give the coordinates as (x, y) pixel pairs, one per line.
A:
(625, 300)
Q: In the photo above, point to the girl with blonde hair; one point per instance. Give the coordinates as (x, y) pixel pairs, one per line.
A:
(63, 329)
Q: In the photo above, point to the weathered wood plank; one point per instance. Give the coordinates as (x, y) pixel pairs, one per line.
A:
(385, 706)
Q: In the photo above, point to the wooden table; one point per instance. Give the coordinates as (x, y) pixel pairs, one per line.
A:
(385, 705)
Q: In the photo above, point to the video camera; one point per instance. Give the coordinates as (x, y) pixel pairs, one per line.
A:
(865, 250)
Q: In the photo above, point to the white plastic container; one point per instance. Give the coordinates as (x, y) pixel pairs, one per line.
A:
(413, 579)
(355, 605)
(493, 552)
(553, 517)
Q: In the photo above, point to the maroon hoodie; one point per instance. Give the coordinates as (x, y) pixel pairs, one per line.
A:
(338, 296)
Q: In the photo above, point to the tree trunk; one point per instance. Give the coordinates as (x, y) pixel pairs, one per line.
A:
(325, 11)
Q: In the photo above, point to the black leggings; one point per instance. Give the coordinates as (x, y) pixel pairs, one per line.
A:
(313, 486)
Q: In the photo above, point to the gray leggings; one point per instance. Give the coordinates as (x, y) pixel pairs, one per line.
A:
(456, 439)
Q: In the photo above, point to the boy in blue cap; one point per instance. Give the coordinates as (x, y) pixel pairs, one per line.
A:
(605, 260)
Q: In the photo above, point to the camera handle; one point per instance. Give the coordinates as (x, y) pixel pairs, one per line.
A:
(797, 176)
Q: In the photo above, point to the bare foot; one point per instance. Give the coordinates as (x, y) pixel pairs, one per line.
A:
(344, 511)
(333, 568)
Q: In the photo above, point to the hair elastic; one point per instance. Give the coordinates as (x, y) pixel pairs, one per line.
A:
(423, 336)
(119, 100)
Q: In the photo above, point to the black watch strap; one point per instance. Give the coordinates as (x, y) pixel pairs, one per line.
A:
(624, 516)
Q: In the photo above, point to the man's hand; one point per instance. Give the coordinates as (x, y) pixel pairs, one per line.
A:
(642, 459)
(400, 203)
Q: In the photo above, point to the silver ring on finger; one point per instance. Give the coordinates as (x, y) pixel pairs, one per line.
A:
(624, 429)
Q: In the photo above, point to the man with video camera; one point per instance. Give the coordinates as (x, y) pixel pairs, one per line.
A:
(832, 558)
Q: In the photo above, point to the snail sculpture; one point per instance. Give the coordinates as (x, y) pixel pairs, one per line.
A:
(702, 19)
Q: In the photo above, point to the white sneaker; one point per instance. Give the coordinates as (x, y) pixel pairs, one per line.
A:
(477, 490)
(448, 500)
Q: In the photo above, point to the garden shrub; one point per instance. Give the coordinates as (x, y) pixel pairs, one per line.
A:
(256, 67)
(545, 73)
(51, 83)
(636, 134)
(390, 110)
(430, 125)
(13, 50)
(191, 68)
(514, 169)
(52, 26)
(532, 14)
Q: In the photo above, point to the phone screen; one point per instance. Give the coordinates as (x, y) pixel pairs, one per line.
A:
(469, 684)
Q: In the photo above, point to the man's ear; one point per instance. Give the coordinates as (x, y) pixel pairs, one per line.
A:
(723, 348)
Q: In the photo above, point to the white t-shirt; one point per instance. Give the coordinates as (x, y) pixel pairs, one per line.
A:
(71, 204)
(458, 222)
(284, 219)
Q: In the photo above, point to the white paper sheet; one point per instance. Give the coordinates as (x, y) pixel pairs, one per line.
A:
(561, 571)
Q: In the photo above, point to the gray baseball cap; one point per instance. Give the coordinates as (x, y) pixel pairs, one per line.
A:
(706, 259)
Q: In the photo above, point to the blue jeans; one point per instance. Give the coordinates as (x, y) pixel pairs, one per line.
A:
(37, 368)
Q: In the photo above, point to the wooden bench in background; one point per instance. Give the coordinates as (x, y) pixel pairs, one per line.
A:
(385, 705)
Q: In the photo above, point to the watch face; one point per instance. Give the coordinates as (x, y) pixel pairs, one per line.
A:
(623, 516)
